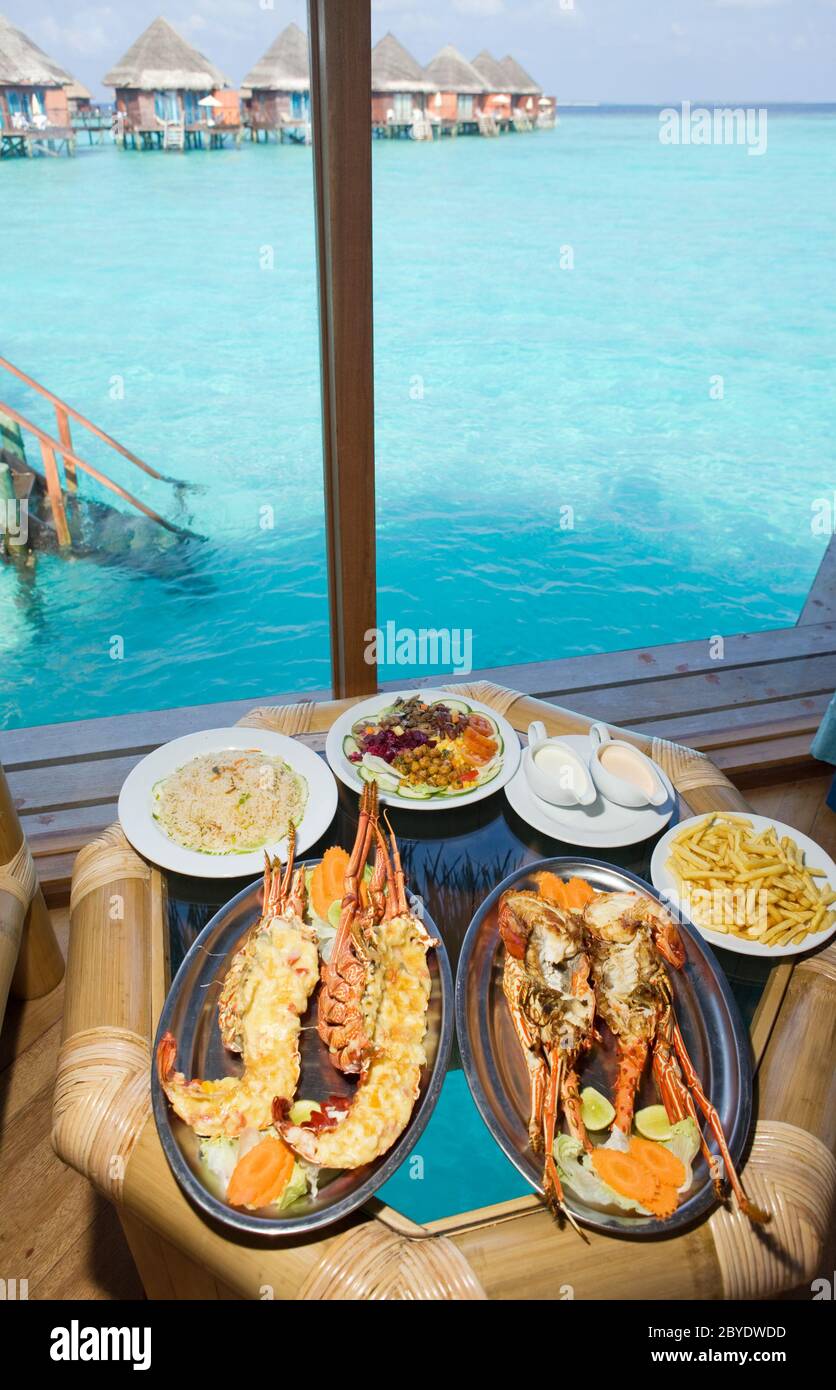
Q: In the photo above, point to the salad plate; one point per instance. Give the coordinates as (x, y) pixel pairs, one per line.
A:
(426, 749)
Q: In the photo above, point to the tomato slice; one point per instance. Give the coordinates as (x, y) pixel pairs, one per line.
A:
(481, 724)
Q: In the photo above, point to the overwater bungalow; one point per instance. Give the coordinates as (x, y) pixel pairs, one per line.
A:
(278, 96)
(79, 98)
(457, 88)
(169, 96)
(496, 102)
(525, 93)
(34, 111)
(400, 91)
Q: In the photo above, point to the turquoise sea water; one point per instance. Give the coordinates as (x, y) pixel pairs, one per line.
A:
(507, 388)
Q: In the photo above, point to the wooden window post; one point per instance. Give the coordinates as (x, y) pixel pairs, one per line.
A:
(340, 54)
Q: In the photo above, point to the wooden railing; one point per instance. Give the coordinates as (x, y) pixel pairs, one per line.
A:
(62, 447)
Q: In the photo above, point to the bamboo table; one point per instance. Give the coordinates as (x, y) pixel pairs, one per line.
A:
(117, 978)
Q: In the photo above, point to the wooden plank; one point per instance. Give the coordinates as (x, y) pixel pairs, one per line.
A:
(693, 695)
(716, 728)
(140, 733)
(65, 786)
(340, 49)
(56, 497)
(65, 435)
(820, 604)
(122, 734)
(555, 678)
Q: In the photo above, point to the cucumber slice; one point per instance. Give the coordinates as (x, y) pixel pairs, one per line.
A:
(488, 773)
(386, 781)
(350, 745)
(416, 793)
(458, 705)
(596, 1110)
(380, 765)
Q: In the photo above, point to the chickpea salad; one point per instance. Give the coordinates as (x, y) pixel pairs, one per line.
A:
(419, 750)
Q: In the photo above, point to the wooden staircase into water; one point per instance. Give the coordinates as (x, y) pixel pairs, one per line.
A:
(174, 135)
(17, 476)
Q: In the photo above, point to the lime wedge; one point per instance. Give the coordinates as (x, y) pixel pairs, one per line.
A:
(301, 1111)
(596, 1111)
(334, 913)
(653, 1123)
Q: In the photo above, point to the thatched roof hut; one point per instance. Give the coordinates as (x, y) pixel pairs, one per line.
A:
(76, 91)
(161, 60)
(32, 85)
(449, 71)
(492, 72)
(395, 70)
(520, 83)
(23, 64)
(162, 83)
(277, 91)
(284, 67)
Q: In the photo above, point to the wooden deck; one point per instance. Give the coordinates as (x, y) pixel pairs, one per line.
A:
(755, 712)
(53, 140)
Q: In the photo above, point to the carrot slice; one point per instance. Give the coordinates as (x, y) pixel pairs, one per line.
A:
(663, 1164)
(552, 888)
(664, 1203)
(262, 1175)
(328, 881)
(578, 893)
(625, 1175)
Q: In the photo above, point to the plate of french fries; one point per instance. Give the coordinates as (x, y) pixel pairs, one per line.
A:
(748, 883)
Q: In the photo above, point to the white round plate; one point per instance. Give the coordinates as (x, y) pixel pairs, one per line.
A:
(603, 825)
(815, 857)
(146, 836)
(345, 770)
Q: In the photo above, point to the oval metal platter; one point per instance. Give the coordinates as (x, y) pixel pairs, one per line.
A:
(191, 1014)
(714, 1034)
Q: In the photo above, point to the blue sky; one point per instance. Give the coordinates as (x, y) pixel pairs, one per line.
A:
(605, 50)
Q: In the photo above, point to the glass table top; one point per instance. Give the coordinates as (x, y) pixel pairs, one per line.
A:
(452, 858)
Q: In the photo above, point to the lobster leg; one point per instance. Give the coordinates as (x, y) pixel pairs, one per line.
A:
(571, 1101)
(552, 1184)
(397, 899)
(512, 981)
(632, 1058)
(694, 1084)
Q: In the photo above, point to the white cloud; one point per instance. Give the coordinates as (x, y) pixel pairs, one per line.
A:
(479, 7)
(86, 31)
(749, 4)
